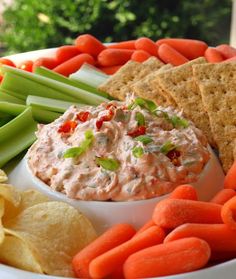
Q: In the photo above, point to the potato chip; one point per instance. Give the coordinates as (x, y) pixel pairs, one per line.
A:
(3, 176)
(15, 252)
(55, 231)
(12, 198)
(10, 193)
(28, 198)
(31, 197)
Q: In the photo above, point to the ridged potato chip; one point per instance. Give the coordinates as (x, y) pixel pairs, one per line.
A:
(55, 231)
(31, 197)
(14, 249)
(12, 200)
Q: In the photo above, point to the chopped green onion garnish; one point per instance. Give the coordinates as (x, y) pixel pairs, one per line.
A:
(89, 135)
(140, 102)
(144, 139)
(143, 103)
(108, 163)
(178, 121)
(167, 147)
(138, 151)
(73, 152)
(175, 120)
(151, 106)
(85, 144)
(139, 117)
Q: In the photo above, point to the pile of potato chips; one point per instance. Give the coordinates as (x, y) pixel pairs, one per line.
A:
(39, 235)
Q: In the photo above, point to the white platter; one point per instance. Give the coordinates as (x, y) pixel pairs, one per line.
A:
(226, 270)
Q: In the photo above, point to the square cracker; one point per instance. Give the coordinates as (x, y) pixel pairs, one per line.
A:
(145, 88)
(119, 84)
(180, 84)
(217, 83)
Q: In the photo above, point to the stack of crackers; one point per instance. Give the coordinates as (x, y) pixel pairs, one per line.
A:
(205, 92)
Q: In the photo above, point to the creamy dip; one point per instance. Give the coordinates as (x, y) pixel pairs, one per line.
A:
(118, 151)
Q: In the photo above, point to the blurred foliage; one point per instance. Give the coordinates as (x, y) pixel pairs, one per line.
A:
(34, 24)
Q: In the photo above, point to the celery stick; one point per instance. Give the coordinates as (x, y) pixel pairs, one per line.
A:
(80, 94)
(89, 75)
(5, 97)
(4, 120)
(19, 85)
(42, 71)
(44, 116)
(16, 136)
(11, 109)
(49, 104)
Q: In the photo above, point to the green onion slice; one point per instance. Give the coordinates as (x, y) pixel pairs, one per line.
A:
(108, 163)
(139, 117)
(179, 122)
(175, 120)
(74, 152)
(137, 151)
(144, 139)
(167, 147)
(143, 103)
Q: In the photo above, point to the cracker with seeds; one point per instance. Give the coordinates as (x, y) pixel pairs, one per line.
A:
(145, 88)
(118, 85)
(179, 83)
(217, 83)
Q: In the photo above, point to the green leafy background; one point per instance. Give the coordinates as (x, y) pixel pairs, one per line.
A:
(37, 24)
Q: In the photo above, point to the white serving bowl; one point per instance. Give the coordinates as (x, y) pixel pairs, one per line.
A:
(105, 214)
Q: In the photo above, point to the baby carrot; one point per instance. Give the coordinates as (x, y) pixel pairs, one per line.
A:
(64, 53)
(230, 178)
(176, 257)
(219, 236)
(72, 65)
(213, 55)
(170, 213)
(186, 192)
(87, 43)
(114, 57)
(146, 226)
(223, 196)
(108, 262)
(46, 62)
(110, 70)
(191, 49)
(228, 213)
(147, 45)
(169, 55)
(140, 56)
(226, 50)
(123, 45)
(113, 237)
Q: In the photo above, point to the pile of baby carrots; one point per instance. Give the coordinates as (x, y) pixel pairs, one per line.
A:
(88, 49)
(183, 235)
